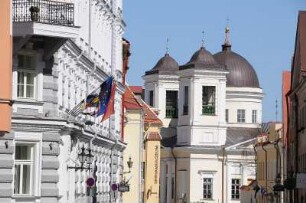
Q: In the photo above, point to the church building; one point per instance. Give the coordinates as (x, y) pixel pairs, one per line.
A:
(211, 109)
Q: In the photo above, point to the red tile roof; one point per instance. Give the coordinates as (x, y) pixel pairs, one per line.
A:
(132, 102)
(154, 136)
(150, 115)
(136, 89)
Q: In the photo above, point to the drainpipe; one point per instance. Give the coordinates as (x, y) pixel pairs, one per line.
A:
(275, 144)
(175, 166)
(255, 151)
(266, 167)
(296, 193)
(141, 143)
(223, 155)
(111, 168)
(278, 164)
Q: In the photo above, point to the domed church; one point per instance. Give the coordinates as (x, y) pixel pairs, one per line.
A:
(211, 108)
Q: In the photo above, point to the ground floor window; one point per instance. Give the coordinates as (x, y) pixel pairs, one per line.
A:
(207, 188)
(235, 193)
(24, 163)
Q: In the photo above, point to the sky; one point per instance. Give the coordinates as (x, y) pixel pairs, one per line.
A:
(262, 31)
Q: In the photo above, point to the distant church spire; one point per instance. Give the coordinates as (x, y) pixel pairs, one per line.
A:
(203, 36)
(227, 41)
(167, 46)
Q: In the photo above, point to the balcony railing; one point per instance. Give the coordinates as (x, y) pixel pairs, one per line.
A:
(208, 109)
(171, 112)
(43, 11)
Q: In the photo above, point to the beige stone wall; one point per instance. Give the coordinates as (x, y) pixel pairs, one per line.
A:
(152, 170)
(133, 138)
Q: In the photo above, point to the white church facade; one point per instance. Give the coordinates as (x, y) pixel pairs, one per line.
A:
(211, 109)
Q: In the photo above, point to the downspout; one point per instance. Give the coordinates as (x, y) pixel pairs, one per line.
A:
(141, 141)
(275, 144)
(288, 156)
(111, 164)
(255, 151)
(266, 167)
(175, 166)
(278, 163)
(296, 144)
(223, 155)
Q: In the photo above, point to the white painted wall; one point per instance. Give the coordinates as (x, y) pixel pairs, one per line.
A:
(244, 98)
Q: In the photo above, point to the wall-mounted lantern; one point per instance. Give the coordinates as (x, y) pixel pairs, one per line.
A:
(84, 158)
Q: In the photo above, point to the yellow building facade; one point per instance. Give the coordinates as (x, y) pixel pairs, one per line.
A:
(142, 135)
(269, 164)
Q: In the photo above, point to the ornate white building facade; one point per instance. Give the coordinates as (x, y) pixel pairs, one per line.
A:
(211, 109)
(63, 50)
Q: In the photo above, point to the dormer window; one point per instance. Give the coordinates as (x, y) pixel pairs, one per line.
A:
(208, 100)
(26, 76)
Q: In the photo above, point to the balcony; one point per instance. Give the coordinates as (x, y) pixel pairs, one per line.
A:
(44, 18)
(171, 112)
(208, 110)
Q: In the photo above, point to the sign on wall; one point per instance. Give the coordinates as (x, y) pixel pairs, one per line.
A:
(301, 180)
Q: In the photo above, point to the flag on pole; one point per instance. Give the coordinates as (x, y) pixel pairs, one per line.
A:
(110, 109)
(104, 95)
(97, 104)
(91, 104)
(92, 100)
(77, 109)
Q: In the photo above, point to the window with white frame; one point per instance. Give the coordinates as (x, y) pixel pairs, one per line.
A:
(24, 167)
(207, 188)
(26, 77)
(235, 189)
(208, 100)
(241, 115)
(226, 115)
(254, 116)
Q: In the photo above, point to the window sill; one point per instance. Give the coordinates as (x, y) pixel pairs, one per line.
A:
(26, 197)
(27, 101)
(207, 200)
(209, 115)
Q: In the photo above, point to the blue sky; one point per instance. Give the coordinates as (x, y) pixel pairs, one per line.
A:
(262, 31)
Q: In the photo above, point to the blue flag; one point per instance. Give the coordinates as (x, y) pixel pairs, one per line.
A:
(104, 95)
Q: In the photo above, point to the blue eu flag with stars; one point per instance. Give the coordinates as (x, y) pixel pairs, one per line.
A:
(104, 95)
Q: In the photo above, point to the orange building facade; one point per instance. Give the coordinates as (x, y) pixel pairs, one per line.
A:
(6, 66)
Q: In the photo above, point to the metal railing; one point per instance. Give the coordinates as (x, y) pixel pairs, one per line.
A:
(43, 11)
(171, 112)
(208, 109)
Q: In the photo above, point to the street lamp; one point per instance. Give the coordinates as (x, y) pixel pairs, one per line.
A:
(130, 164)
(84, 157)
